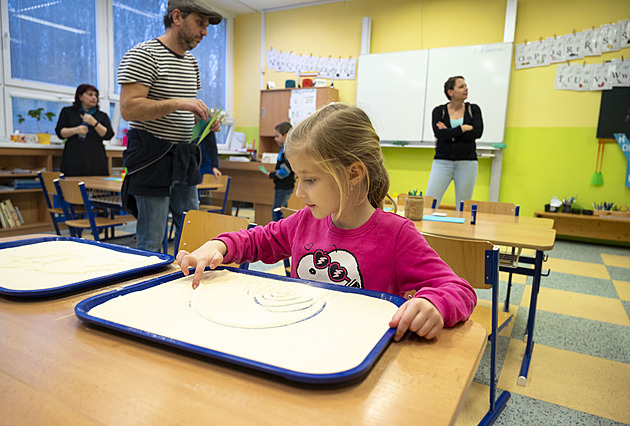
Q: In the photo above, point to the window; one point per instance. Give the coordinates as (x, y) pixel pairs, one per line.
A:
(55, 45)
(135, 21)
(50, 45)
(211, 56)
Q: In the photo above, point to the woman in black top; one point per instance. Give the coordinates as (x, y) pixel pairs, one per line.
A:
(456, 125)
(84, 127)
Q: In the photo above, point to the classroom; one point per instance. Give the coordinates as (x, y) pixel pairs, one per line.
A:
(580, 367)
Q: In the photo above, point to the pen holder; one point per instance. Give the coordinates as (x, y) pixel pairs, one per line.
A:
(414, 207)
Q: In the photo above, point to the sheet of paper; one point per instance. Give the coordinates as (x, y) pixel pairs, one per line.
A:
(443, 219)
(207, 129)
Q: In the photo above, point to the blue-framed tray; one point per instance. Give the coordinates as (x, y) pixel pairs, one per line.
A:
(295, 351)
(93, 278)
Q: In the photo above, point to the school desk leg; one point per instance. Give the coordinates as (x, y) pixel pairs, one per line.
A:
(529, 348)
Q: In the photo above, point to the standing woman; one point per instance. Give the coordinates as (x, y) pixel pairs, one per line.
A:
(456, 125)
(84, 127)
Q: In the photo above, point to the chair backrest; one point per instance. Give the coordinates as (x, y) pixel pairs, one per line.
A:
(493, 207)
(198, 227)
(47, 179)
(71, 191)
(286, 212)
(463, 256)
(224, 181)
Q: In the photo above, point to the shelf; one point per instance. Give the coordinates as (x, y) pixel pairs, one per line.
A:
(27, 228)
(605, 228)
(21, 191)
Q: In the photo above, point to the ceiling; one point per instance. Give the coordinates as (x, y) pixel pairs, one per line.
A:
(239, 7)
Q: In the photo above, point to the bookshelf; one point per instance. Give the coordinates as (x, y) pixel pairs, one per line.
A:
(30, 201)
(274, 109)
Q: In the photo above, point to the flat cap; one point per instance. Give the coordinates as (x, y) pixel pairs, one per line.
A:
(200, 7)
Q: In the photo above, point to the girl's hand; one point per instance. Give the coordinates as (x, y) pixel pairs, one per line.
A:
(417, 315)
(466, 128)
(81, 130)
(210, 254)
(440, 125)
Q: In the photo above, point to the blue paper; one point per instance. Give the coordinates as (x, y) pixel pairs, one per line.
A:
(443, 219)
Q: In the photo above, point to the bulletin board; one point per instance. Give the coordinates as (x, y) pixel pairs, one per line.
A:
(614, 113)
(391, 89)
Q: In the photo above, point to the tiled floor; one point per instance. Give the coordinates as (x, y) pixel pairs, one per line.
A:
(580, 369)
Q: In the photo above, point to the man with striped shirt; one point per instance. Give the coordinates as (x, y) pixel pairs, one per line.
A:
(159, 81)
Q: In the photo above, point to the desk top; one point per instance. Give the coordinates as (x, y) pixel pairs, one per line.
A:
(56, 366)
(514, 231)
(113, 184)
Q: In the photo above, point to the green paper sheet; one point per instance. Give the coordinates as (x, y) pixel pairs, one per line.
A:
(207, 129)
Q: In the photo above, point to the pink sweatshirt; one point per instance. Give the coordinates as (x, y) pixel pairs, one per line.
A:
(387, 253)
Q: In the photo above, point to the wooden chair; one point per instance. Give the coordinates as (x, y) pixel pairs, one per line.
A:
(198, 227)
(286, 212)
(509, 260)
(492, 207)
(478, 263)
(295, 203)
(224, 181)
(46, 179)
(74, 197)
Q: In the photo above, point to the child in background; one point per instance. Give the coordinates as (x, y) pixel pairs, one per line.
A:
(343, 236)
(283, 177)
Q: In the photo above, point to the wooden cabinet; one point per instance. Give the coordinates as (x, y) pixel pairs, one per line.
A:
(30, 201)
(274, 109)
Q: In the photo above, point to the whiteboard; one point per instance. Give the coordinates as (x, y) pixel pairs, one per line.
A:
(486, 69)
(391, 90)
(399, 90)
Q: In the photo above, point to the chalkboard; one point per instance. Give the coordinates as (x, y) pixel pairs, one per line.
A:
(390, 90)
(614, 113)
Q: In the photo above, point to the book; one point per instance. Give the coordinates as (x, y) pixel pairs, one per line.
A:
(11, 212)
(19, 215)
(7, 216)
(3, 218)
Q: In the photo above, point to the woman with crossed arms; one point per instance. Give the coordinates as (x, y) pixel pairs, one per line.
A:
(456, 125)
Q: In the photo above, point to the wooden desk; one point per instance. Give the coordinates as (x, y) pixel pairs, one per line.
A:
(114, 183)
(511, 231)
(250, 185)
(56, 367)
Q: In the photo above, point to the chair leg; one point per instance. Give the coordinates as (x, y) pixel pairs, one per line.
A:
(506, 306)
(54, 221)
(287, 267)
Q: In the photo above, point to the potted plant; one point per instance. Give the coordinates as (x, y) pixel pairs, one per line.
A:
(39, 114)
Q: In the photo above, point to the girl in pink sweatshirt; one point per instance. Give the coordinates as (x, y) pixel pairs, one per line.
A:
(343, 236)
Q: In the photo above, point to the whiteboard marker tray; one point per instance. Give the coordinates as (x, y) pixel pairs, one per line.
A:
(51, 266)
(299, 330)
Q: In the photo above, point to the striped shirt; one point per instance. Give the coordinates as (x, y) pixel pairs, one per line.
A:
(168, 76)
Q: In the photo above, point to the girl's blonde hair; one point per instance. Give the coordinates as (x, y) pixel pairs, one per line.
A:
(335, 137)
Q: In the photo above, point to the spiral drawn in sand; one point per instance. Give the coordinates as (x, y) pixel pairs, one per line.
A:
(256, 306)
